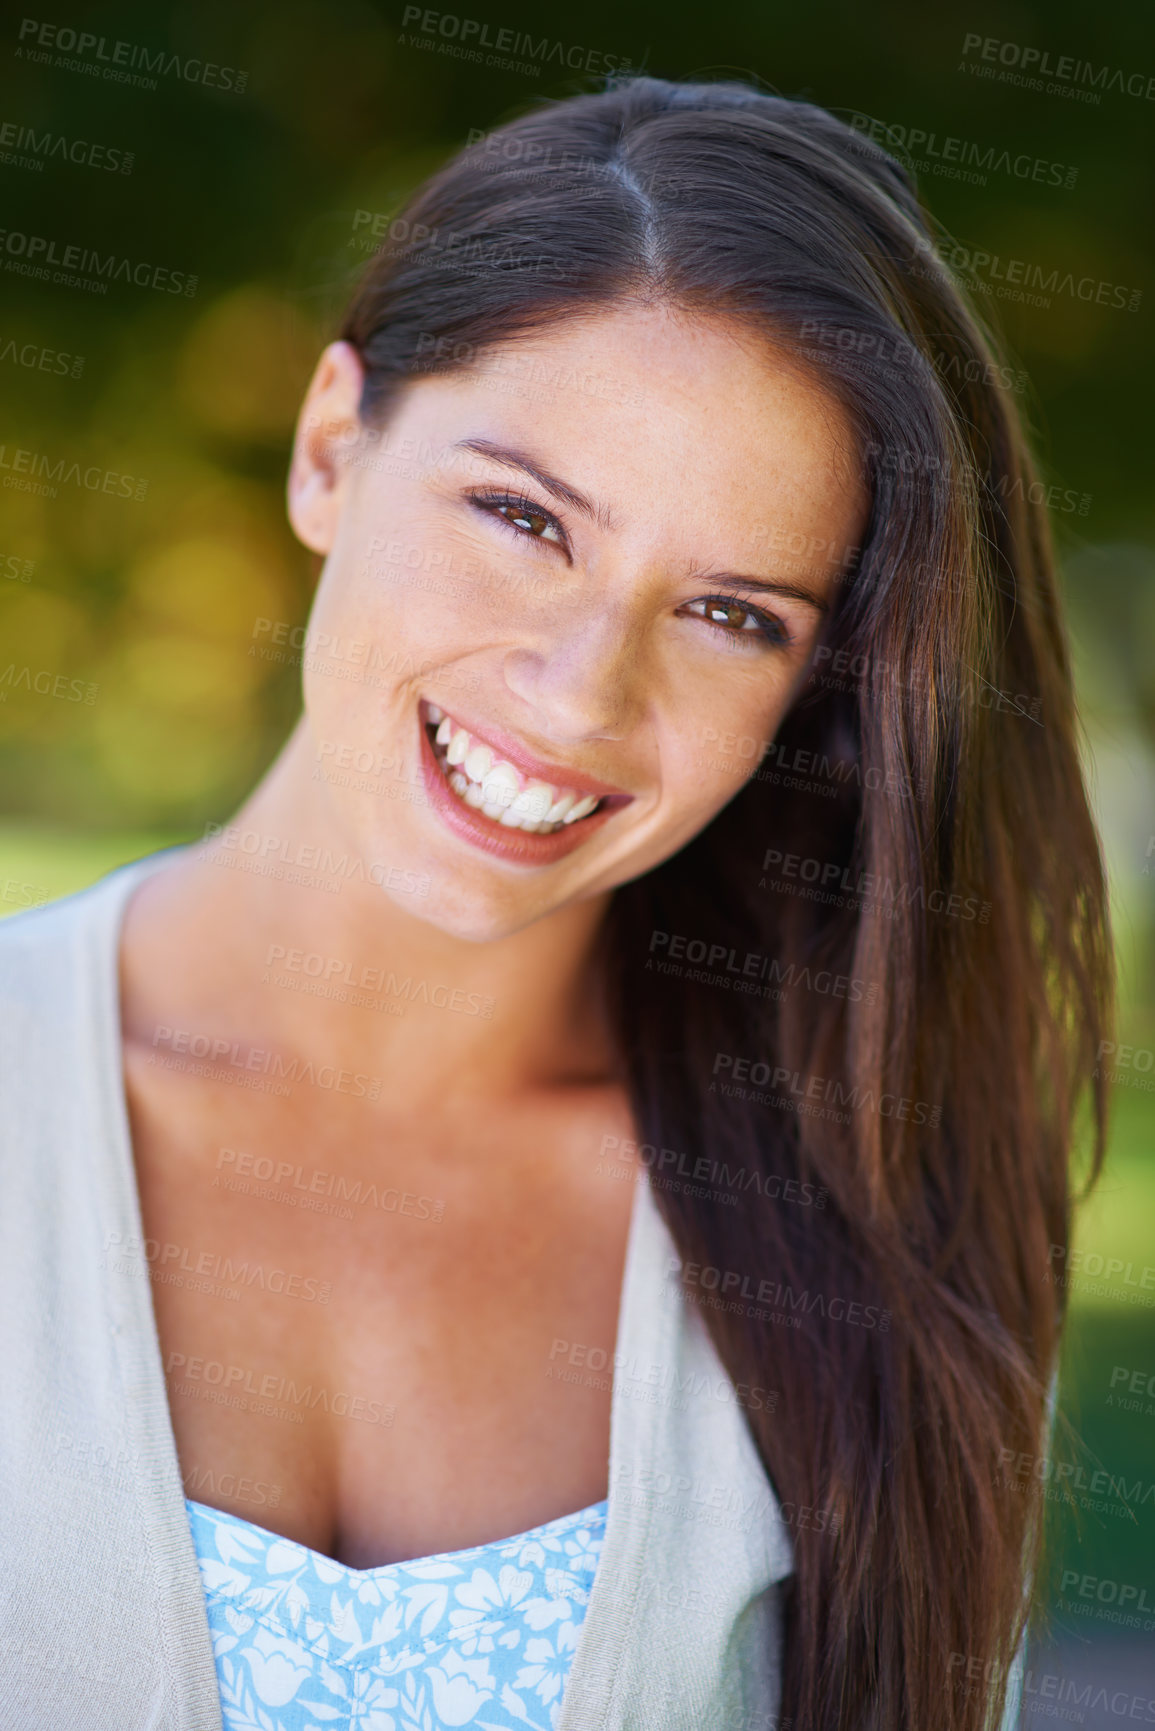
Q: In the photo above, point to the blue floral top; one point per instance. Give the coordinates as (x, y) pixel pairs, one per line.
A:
(483, 1637)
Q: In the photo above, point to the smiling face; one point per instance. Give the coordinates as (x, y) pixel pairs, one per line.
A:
(556, 581)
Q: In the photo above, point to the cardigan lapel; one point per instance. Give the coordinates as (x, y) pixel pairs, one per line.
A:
(191, 1692)
(681, 1633)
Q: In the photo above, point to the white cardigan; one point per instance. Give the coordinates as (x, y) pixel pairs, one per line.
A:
(104, 1625)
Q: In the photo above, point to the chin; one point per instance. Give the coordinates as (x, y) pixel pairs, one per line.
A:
(468, 914)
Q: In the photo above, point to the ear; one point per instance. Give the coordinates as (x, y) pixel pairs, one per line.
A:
(328, 427)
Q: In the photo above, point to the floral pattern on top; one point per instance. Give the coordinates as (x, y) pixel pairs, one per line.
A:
(482, 1638)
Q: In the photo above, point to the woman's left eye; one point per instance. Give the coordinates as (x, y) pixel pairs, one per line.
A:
(529, 519)
(735, 617)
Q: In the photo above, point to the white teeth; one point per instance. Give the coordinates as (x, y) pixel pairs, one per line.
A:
(494, 787)
(500, 786)
(532, 804)
(479, 763)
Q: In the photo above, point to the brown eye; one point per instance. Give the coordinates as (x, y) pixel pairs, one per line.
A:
(737, 619)
(533, 522)
(727, 613)
(524, 517)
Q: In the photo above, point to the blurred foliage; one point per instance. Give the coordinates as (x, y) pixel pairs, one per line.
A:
(153, 599)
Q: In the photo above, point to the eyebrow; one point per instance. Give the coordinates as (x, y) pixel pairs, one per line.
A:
(773, 586)
(513, 459)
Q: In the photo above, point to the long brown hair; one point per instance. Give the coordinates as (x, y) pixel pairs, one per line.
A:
(917, 836)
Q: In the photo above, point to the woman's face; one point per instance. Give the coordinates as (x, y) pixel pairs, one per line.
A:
(561, 586)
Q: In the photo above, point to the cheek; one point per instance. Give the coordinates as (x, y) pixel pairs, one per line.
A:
(407, 581)
(710, 766)
(715, 754)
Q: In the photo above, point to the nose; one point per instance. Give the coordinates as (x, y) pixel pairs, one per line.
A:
(586, 682)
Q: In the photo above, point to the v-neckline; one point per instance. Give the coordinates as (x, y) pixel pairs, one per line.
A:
(545, 1529)
(155, 1411)
(675, 1631)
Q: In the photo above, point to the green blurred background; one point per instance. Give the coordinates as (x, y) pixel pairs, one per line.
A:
(153, 599)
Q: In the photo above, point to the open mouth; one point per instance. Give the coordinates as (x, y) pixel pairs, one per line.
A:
(489, 784)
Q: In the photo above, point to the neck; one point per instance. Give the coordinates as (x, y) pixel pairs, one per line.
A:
(323, 961)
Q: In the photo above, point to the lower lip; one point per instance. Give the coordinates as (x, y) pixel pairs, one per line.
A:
(517, 846)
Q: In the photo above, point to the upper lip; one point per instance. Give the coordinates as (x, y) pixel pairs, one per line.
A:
(505, 745)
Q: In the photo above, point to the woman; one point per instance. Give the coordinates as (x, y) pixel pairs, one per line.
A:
(688, 761)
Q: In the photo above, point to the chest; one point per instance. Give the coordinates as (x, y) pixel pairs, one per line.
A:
(370, 1329)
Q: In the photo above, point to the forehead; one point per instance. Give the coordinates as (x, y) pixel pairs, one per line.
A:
(638, 403)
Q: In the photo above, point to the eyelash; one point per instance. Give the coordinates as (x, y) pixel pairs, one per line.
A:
(770, 632)
(770, 629)
(494, 503)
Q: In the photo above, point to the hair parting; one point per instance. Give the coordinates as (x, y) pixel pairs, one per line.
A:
(981, 1028)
